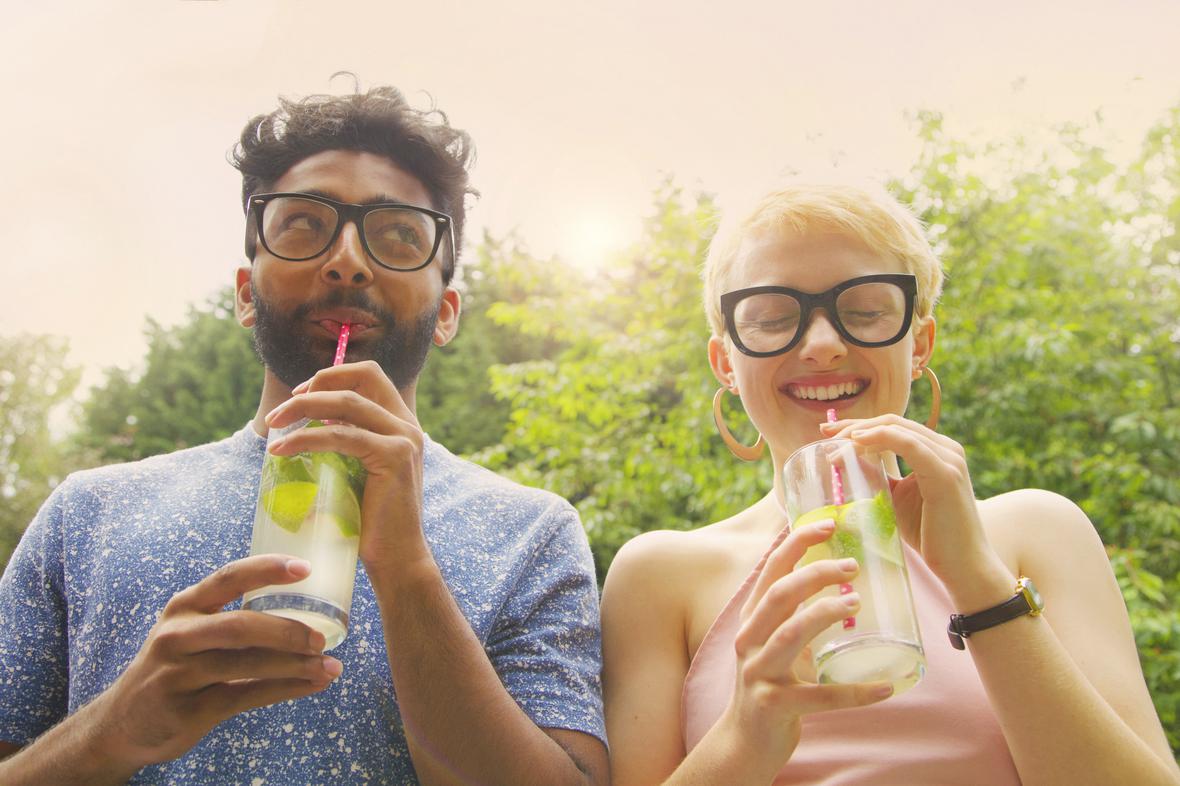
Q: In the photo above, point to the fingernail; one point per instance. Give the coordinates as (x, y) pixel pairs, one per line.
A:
(851, 601)
(302, 386)
(298, 566)
(848, 564)
(882, 691)
(332, 667)
(826, 526)
(317, 641)
(857, 434)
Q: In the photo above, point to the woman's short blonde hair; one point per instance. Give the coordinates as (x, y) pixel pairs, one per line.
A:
(869, 214)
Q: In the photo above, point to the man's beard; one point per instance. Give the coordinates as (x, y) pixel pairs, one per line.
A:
(283, 345)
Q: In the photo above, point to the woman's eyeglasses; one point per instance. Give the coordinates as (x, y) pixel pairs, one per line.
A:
(869, 311)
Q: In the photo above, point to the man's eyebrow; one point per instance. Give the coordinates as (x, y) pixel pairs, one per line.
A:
(377, 199)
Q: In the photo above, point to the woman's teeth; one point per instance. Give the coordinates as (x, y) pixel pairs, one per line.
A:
(826, 392)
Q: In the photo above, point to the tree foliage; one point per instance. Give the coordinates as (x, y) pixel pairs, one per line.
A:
(455, 403)
(1059, 347)
(34, 380)
(618, 421)
(200, 382)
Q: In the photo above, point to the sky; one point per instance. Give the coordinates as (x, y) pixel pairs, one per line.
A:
(119, 205)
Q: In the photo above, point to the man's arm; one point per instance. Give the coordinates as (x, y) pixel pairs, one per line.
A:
(198, 666)
(461, 723)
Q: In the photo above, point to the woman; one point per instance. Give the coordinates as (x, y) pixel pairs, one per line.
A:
(701, 629)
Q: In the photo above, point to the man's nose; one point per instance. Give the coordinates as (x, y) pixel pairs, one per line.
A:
(821, 344)
(348, 263)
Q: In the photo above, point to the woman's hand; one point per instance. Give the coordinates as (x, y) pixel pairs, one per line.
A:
(774, 686)
(935, 503)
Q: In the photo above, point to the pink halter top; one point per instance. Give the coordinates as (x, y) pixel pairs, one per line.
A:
(941, 732)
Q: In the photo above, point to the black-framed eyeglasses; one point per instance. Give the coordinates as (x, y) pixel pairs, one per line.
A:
(297, 227)
(868, 311)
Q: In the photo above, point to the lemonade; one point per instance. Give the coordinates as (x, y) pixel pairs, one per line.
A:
(309, 507)
(881, 642)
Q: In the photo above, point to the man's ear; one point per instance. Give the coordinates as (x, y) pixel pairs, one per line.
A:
(448, 317)
(719, 361)
(243, 298)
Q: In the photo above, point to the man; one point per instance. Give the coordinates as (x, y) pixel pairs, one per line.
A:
(119, 659)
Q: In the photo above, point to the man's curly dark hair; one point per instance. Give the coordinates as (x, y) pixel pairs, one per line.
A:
(379, 121)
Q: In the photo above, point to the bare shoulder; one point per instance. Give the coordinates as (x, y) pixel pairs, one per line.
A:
(663, 563)
(1028, 523)
(673, 584)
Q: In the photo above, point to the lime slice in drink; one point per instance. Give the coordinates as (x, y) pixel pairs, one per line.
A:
(877, 525)
(339, 503)
(818, 551)
(286, 469)
(349, 466)
(883, 519)
(819, 514)
(844, 542)
(287, 504)
(346, 524)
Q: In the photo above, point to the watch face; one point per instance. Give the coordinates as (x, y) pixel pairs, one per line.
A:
(1031, 594)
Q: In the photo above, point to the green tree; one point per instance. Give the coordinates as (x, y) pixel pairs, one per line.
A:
(34, 380)
(454, 398)
(618, 421)
(1060, 344)
(200, 382)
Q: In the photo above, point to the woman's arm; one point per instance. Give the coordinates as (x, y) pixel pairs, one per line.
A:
(1065, 686)
(646, 659)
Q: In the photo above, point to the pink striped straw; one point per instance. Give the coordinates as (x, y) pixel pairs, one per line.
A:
(342, 344)
(838, 498)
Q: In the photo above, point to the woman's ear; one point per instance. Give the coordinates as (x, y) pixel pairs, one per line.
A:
(924, 334)
(719, 361)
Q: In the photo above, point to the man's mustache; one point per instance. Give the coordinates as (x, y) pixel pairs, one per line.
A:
(345, 299)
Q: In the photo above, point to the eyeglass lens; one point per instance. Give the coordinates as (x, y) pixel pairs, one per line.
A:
(871, 312)
(296, 228)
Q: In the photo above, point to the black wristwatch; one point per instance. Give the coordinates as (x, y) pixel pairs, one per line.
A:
(1026, 601)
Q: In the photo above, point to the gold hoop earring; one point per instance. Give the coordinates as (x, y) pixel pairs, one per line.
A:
(935, 396)
(744, 452)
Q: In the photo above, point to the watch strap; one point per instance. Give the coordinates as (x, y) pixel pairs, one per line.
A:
(963, 625)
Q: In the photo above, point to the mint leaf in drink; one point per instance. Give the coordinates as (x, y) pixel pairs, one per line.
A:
(845, 542)
(885, 522)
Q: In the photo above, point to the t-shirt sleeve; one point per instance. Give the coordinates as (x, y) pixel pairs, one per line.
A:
(547, 644)
(33, 652)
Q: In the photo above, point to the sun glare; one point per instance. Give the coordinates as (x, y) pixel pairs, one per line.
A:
(590, 240)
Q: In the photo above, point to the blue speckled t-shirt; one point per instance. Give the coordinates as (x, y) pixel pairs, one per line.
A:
(111, 545)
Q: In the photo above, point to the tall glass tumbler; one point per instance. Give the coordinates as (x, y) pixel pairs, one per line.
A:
(833, 479)
(309, 506)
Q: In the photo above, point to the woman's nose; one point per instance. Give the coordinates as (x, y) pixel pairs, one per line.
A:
(821, 344)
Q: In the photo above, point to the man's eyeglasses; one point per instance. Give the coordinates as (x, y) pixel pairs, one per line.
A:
(296, 227)
(869, 311)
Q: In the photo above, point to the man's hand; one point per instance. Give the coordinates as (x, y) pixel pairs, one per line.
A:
(201, 665)
(368, 419)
